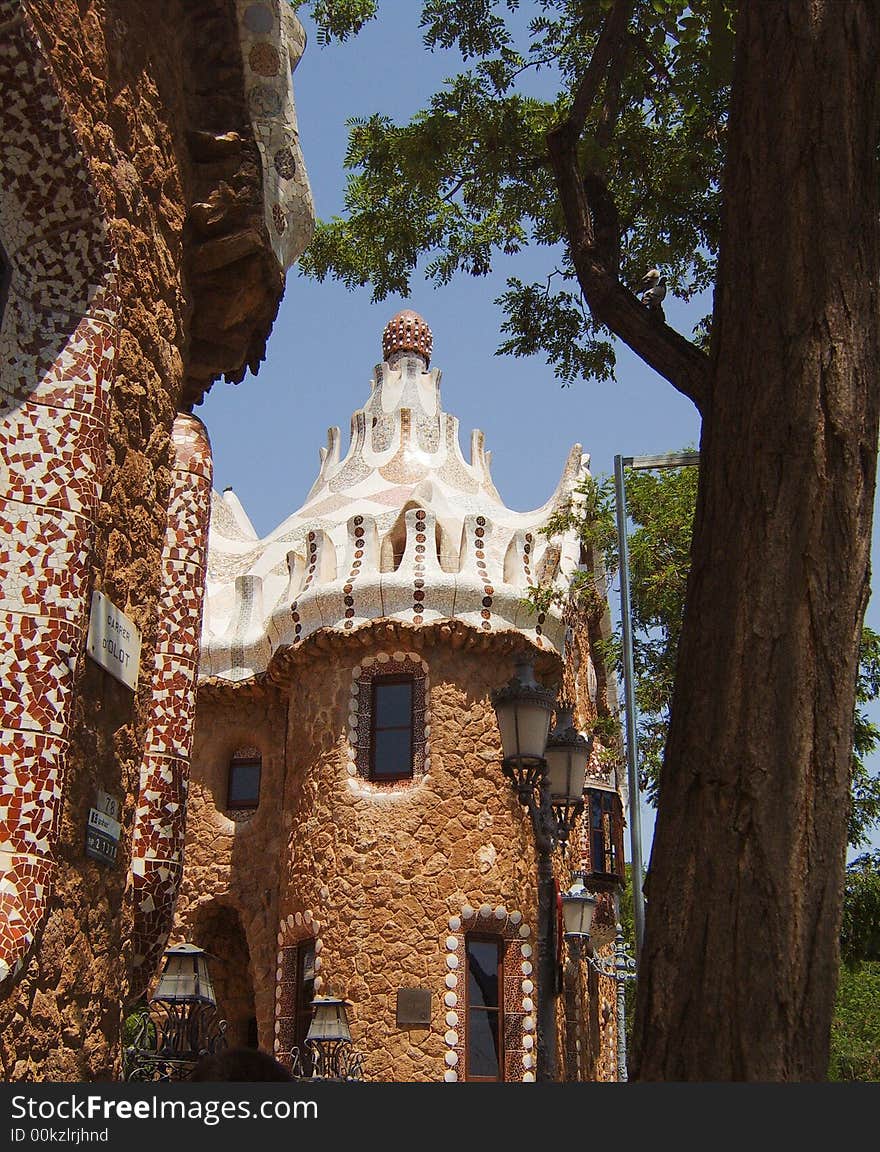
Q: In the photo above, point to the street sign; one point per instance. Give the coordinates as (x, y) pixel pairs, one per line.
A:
(103, 830)
(114, 641)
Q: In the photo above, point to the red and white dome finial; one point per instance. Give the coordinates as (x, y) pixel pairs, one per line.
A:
(407, 332)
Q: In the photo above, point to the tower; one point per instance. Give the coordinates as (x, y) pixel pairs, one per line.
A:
(349, 826)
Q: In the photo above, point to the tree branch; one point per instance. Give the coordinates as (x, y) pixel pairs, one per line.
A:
(593, 230)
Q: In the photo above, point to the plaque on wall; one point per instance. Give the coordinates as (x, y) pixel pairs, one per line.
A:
(413, 1007)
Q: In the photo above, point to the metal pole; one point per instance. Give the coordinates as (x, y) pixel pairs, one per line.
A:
(546, 1070)
(667, 460)
(632, 745)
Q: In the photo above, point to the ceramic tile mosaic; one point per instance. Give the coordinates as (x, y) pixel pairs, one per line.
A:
(405, 479)
(272, 42)
(160, 816)
(57, 347)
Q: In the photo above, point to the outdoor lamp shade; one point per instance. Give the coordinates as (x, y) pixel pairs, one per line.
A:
(185, 978)
(578, 907)
(523, 709)
(567, 756)
(330, 1021)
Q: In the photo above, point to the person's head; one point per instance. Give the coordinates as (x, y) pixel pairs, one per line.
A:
(240, 1064)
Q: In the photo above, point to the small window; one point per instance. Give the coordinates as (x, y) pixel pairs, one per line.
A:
(243, 784)
(605, 826)
(485, 1008)
(391, 736)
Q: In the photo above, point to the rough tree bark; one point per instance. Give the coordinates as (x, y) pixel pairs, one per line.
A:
(744, 896)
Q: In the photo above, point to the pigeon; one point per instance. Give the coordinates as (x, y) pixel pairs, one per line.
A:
(653, 291)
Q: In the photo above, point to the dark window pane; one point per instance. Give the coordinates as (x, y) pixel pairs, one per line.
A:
(482, 1041)
(392, 753)
(5, 274)
(244, 784)
(393, 705)
(482, 973)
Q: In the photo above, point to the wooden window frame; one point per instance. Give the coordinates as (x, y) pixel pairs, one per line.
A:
(379, 682)
(499, 943)
(609, 804)
(302, 1011)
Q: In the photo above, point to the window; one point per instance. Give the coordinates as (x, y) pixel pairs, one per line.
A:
(606, 831)
(305, 994)
(243, 782)
(485, 1023)
(391, 733)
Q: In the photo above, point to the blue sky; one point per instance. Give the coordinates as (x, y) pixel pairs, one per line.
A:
(266, 432)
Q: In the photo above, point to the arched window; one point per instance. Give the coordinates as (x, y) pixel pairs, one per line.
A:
(243, 780)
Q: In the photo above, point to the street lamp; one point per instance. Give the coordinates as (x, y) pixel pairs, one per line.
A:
(547, 773)
(329, 1041)
(578, 907)
(169, 1046)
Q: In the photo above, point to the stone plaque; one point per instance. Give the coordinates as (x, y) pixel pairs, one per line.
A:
(413, 1007)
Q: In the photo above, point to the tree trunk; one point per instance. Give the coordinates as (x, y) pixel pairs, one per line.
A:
(740, 961)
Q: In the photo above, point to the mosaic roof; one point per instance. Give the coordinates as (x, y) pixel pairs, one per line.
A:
(400, 527)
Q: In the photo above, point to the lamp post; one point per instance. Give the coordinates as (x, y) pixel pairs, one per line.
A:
(169, 1046)
(669, 460)
(578, 907)
(329, 1041)
(547, 773)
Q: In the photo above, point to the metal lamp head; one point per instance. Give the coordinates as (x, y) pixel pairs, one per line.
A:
(185, 978)
(330, 1021)
(578, 906)
(523, 709)
(567, 756)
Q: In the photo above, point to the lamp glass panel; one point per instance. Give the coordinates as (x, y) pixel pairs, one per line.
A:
(330, 1022)
(567, 772)
(524, 725)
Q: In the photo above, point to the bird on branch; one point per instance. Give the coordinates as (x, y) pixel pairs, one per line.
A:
(653, 291)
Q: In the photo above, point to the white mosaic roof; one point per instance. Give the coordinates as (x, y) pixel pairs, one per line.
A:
(402, 527)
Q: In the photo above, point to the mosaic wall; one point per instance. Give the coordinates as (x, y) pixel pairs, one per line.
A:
(160, 818)
(57, 346)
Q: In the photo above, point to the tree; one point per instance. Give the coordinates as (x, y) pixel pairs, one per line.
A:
(656, 147)
(661, 506)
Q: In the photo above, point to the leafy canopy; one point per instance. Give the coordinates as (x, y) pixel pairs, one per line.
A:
(661, 506)
(470, 176)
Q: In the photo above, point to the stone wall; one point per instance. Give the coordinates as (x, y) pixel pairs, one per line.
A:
(147, 101)
(386, 878)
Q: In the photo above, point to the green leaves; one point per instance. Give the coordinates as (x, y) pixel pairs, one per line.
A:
(661, 506)
(339, 19)
(468, 177)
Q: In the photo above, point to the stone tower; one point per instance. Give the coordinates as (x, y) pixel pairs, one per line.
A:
(349, 826)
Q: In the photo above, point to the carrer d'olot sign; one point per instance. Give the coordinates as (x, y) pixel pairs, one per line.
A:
(114, 641)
